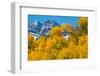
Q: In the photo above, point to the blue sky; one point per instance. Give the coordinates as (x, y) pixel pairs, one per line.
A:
(59, 19)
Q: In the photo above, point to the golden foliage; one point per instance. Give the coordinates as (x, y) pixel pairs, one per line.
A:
(83, 21)
(30, 38)
(64, 27)
(55, 31)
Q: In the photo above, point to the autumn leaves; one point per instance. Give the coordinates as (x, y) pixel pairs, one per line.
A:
(56, 46)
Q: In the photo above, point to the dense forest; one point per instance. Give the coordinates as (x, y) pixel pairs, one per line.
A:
(56, 46)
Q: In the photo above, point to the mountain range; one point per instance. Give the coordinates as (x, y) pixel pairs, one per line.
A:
(41, 29)
(37, 28)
